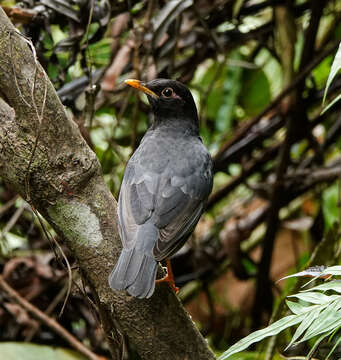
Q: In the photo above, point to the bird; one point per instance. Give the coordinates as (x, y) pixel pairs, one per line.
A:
(164, 189)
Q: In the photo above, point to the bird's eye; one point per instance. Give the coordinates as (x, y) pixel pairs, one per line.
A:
(168, 92)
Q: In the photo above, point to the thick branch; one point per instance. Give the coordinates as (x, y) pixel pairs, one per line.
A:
(60, 176)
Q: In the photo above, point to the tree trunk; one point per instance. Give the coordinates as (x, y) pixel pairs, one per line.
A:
(44, 158)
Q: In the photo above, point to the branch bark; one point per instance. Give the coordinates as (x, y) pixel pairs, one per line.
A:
(44, 158)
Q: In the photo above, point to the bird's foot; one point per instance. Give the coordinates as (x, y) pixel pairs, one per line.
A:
(170, 281)
(169, 278)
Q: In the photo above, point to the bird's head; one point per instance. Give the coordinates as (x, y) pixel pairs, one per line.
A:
(168, 99)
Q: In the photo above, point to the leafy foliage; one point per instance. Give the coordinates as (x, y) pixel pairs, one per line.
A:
(16, 351)
(336, 66)
(318, 315)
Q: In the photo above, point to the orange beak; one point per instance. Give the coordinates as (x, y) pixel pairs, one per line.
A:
(137, 84)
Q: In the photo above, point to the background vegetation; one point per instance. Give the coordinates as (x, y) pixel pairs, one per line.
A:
(257, 70)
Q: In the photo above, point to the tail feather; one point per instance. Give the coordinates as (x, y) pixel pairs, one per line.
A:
(135, 270)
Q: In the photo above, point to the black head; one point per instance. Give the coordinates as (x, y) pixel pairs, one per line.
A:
(168, 99)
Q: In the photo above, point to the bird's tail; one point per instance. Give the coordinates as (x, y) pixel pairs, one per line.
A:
(135, 270)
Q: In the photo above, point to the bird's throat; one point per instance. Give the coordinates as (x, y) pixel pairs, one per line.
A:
(181, 125)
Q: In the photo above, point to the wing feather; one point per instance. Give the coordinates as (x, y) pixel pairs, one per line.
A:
(172, 196)
(177, 215)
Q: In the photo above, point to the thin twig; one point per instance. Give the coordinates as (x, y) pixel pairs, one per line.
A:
(248, 169)
(240, 133)
(56, 300)
(49, 237)
(38, 115)
(47, 320)
(204, 98)
(14, 72)
(13, 220)
(8, 205)
(93, 90)
(208, 30)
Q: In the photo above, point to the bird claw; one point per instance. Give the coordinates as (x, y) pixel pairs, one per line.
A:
(169, 278)
(170, 281)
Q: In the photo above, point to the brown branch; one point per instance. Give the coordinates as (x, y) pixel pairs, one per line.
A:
(8, 205)
(255, 165)
(311, 32)
(249, 168)
(48, 321)
(242, 131)
(57, 299)
(66, 186)
(248, 143)
(296, 115)
(20, 15)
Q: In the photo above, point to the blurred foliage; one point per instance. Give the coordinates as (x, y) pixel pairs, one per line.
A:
(255, 98)
(15, 351)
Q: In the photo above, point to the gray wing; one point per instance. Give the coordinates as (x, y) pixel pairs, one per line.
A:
(135, 203)
(180, 205)
(172, 199)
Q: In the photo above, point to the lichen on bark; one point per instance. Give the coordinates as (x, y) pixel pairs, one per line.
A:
(79, 222)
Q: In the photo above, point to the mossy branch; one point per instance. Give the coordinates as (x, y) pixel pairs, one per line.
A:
(45, 159)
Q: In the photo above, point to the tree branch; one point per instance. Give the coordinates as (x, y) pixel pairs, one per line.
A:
(64, 183)
(243, 130)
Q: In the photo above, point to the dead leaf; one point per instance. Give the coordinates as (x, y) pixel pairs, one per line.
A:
(114, 71)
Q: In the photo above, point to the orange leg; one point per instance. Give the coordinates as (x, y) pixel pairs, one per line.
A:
(169, 277)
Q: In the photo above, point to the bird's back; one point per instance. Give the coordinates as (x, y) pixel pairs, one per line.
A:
(172, 148)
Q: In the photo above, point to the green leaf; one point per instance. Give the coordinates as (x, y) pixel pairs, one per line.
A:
(99, 53)
(231, 90)
(296, 308)
(322, 71)
(304, 309)
(336, 66)
(272, 69)
(255, 94)
(52, 71)
(331, 285)
(307, 321)
(27, 351)
(57, 34)
(92, 31)
(328, 320)
(248, 355)
(47, 40)
(330, 207)
(259, 335)
(332, 270)
(210, 80)
(334, 347)
(316, 344)
(331, 104)
(314, 297)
